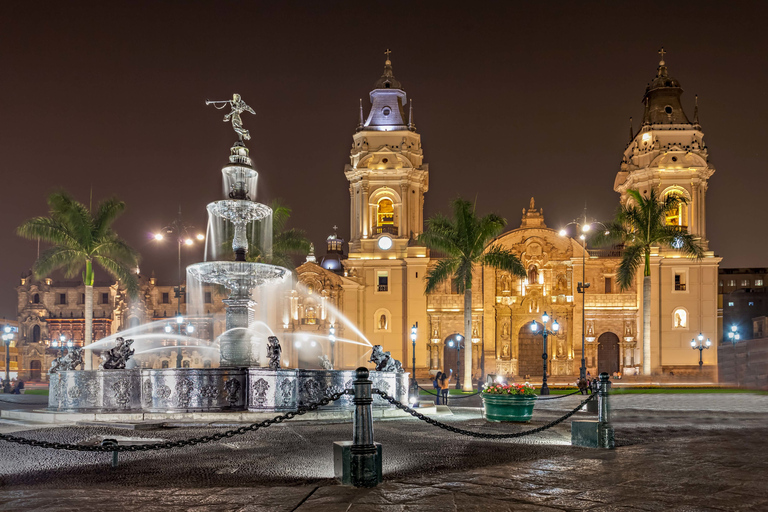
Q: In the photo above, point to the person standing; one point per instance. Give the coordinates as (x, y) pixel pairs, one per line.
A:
(445, 382)
(436, 387)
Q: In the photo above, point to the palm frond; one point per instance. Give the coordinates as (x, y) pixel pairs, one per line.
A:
(107, 211)
(56, 258)
(120, 272)
(117, 249)
(74, 215)
(47, 230)
(631, 260)
(503, 259)
(440, 273)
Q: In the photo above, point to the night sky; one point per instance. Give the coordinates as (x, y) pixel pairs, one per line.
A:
(512, 99)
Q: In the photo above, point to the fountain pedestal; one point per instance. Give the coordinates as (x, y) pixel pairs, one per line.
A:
(193, 389)
(235, 344)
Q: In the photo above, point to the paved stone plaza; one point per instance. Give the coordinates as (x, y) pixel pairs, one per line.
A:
(675, 452)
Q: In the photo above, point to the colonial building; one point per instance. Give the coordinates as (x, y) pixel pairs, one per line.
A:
(51, 313)
(381, 289)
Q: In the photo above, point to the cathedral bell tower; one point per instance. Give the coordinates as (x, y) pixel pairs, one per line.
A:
(386, 173)
(387, 182)
(669, 154)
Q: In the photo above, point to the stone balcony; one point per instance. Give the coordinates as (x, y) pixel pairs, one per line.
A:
(613, 301)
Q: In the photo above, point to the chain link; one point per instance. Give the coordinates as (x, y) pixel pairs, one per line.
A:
(480, 435)
(182, 442)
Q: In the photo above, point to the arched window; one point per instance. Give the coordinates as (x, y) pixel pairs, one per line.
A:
(385, 216)
(533, 274)
(36, 299)
(36, 334)
(679, 216)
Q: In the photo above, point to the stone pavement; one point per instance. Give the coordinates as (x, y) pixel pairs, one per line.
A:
(680, 460)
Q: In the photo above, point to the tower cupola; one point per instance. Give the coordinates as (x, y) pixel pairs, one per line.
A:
(388, 100)
(662, 98)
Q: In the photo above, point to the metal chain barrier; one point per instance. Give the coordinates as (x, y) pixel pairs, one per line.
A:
(110, 445)
(560, 396)
(480, 435)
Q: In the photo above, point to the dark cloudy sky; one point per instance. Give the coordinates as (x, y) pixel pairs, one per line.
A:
(513, 100)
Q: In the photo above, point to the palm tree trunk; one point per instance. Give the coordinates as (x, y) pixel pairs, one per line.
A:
(647, 325)
(466, 384)
(88, 281)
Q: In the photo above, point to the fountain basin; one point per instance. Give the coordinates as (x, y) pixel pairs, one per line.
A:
(95, 391)
(193, 389)
(272, 390)
(238, 276)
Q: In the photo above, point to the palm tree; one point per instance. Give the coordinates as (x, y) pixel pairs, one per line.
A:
(79, 239)
(467, 242)
(639, 225)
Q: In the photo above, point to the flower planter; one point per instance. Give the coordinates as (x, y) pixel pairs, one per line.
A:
(517, 408)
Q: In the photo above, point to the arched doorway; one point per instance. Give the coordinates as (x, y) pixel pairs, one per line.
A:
(608, 353)
(35, 368)
(451, 355)
(530, 346)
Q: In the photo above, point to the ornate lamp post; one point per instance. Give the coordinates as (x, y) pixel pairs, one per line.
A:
(187, 329)
(700, 347)
(583, 226)
(734, 334)
(414, 382)
(459, 340)
(7, 337)
(545, 332)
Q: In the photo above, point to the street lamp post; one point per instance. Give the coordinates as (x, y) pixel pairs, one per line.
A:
(581, 287)
(734, 334)
(7, 337)
(700, 347)
(414, 382)
(458, 339)
(545, 332)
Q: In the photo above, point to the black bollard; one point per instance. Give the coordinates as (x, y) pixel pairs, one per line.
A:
(358, 462)
(605, 430)
(112, 443)
(595, 433)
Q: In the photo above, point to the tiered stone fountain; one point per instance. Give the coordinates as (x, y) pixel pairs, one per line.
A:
(237, 383)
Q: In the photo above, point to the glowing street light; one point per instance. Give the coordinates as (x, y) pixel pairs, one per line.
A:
(584, 226)
(545, 332)
(700, 347)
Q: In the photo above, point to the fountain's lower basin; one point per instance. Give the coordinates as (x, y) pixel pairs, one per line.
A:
(193, 389)
(95, 391)
(285, 390)
(211, 389)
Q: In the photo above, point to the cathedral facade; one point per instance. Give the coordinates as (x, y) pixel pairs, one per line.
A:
(381, 283)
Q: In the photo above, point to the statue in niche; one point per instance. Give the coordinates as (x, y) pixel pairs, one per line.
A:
(679, 321)
(506, 283)
(628, 329)
(560, 346)
(562, 284)
(383, 322)
(533, 275)
(435, 333)
(505, 329)
(505, 351)
(590, 329)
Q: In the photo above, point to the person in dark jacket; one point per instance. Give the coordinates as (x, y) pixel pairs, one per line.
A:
(436, 386)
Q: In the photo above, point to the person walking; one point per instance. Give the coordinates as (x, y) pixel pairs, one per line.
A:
(445, 382)
(436, 387)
